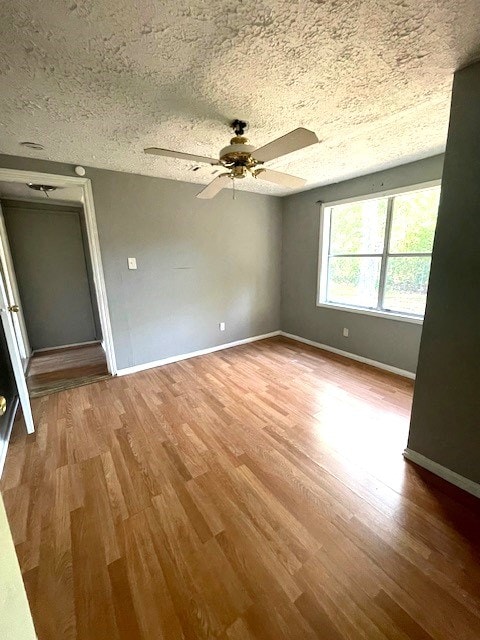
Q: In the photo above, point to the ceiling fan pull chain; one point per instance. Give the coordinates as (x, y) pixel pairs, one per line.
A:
(233, 186)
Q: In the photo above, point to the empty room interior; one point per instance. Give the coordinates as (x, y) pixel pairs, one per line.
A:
(240, 311)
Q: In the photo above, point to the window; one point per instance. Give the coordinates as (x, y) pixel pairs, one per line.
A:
(376, 253)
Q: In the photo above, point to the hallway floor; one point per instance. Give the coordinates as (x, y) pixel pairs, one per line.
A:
(57, 369)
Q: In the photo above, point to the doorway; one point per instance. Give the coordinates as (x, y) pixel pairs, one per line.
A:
(54, 281)
(57, 301)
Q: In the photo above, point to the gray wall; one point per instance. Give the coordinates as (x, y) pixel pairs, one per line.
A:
(445, 425)
(50, 265)
(199, 262)
(389, 341)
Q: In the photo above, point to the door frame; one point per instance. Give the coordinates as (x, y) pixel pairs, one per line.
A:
(14, 175)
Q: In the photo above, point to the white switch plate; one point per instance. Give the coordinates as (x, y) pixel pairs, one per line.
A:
(221, 326)
(132, 263)
(345, 332)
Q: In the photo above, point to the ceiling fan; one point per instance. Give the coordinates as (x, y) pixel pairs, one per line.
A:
(241, 158)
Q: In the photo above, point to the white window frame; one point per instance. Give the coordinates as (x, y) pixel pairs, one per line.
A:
(324, 242)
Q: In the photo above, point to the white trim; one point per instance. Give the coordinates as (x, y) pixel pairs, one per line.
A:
(98, 278)
(66, 346)
(371, 312)
(56, 180)
(352, 356)
(6, 440)
(15, 175)
(386, 193)
(322, 266)
(447, 474)
(193, 354)
(26, 362)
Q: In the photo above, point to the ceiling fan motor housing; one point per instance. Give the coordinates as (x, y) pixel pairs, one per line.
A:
(238, 152)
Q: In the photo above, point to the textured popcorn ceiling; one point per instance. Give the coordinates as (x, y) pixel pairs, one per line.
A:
(95, 82)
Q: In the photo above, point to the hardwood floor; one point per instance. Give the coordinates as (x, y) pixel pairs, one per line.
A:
(57, 369)
(256, 492)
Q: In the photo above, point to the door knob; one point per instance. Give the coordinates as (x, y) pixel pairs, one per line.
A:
(3, 405)
(14, 308)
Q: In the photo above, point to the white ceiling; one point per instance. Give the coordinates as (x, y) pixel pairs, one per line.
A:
(95, 82)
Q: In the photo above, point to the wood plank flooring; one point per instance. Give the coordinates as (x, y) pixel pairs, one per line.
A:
(253, 493)
(57, 369)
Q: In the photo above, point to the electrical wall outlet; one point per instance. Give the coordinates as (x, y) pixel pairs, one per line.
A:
(345, 332)
(132, 263)
(221, 326)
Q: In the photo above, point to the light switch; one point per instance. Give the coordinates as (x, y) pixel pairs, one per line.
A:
(132, 263)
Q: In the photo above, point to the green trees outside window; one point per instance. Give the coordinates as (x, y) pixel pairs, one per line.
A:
(379, 252)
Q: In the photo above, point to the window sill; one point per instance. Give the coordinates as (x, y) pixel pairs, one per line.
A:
(372, 312)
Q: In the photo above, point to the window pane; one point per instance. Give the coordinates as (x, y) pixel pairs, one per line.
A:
(413, 222)
(406, 285)
(358, 227)
(354, 281)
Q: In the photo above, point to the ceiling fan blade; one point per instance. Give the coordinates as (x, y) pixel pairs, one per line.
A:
(283, 179)
(296, 139)
(215, 186)
(179, 154)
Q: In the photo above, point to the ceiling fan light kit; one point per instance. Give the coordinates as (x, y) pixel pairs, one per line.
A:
(44, 188)
(241, 159)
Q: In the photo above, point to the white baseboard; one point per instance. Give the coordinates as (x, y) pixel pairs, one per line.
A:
(193, 354)
(443, 472)
(66, 346)
(5, 437)
(352, 356)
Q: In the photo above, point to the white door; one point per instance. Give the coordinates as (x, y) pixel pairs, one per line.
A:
(13, 296)
(6, 312)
